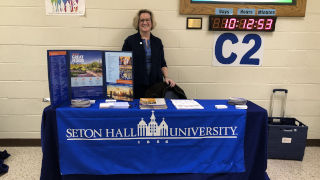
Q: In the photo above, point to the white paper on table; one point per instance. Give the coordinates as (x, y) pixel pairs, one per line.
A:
(186, 104)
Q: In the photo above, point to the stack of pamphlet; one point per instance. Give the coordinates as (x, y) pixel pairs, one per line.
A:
(237, 101)
(186, 104)
(80, 102)
(153, 103)
(120, 105)
(240, 103)
(114, 105)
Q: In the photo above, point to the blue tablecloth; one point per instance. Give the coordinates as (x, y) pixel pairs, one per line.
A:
(134, 141)
(254, 151)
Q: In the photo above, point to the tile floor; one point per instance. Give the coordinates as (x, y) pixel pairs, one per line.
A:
(25, 164)
(308, 169)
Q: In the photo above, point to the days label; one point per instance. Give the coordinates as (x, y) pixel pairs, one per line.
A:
(224, 11)
(286, 140)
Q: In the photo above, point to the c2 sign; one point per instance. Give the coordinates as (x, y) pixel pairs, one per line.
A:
(237, 49)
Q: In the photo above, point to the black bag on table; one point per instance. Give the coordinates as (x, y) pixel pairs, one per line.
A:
(163, 90)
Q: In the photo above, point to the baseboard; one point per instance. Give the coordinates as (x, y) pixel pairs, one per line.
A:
(37, 142)
(19, 142)
(313, 142)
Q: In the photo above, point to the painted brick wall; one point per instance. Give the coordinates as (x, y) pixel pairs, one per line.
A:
(291, 57)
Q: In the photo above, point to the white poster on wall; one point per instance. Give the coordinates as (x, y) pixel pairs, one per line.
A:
(65, 7)
(237, 49)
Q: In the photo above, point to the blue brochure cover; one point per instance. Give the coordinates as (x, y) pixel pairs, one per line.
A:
(58, 76)
(86, 69)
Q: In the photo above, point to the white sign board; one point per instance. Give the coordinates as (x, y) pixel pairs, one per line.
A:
(237, 49)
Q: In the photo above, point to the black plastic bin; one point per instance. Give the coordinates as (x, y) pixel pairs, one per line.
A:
(287, 136)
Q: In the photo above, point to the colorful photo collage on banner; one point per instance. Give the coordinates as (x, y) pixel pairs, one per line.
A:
(119, 78)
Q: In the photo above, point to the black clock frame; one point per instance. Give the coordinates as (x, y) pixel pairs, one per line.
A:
(240, 17)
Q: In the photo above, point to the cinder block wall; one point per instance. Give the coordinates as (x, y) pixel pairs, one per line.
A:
(291, 57)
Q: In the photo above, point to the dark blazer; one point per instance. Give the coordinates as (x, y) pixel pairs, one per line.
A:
(134, 43)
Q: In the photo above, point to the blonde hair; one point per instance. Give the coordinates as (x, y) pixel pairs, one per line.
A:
(136, 19)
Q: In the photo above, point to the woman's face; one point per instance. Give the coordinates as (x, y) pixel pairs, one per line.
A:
(145, 23)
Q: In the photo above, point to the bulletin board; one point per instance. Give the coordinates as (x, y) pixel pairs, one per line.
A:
(208, 8)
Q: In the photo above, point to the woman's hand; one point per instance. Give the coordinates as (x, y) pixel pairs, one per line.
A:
(170, 82)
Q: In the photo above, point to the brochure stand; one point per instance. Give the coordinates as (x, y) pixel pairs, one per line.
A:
(89, 74)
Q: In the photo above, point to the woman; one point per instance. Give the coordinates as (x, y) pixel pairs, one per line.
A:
(149, 65)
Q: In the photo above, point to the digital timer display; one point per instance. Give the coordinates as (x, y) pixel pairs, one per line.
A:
(242, 23)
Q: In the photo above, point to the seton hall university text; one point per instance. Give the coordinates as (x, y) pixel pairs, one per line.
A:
(173, 132)
(151, 129)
